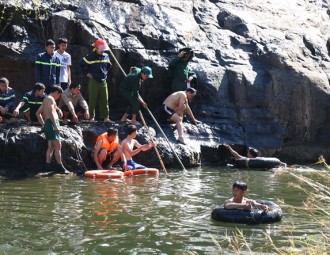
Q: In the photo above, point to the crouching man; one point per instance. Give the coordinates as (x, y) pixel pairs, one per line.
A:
(107, 150)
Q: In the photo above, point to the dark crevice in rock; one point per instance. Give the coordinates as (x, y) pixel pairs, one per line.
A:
(233, 23)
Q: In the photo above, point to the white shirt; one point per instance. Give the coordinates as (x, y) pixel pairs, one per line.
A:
(65, 59)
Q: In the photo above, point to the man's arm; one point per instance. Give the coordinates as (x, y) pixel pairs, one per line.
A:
(191, 115)
(229, 204)
(19, 106)
(233, 153)
(131, 152)
(96, 155)
(68, 102)
(69, 70)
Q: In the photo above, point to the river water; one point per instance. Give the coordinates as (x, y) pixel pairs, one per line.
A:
(143, 215)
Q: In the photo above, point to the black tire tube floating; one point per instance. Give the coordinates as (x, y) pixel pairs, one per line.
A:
(249, 217)
(258, 162)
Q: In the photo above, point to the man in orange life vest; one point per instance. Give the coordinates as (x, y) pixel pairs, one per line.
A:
(107, 150)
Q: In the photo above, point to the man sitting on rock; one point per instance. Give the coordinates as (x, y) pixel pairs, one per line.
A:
(31, 102)
(174, 107)
(107, 150)
(7, 99)
(128, 145)
(72, 104)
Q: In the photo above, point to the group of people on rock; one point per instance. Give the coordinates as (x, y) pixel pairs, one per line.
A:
(55, 96)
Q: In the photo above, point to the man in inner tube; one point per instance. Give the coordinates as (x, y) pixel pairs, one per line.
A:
(238, 201)
(250, 153)
(107, 150)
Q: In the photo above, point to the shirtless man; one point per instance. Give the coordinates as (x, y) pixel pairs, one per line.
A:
(49, 120)
(238, 201)
(128, 145)
(175, 105)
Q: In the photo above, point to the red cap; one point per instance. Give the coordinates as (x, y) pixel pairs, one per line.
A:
(99, 44)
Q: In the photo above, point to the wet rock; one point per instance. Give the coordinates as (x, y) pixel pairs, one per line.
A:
(262, 66)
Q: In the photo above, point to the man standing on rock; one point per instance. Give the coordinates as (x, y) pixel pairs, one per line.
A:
(47, 67)
(129, 89)
(174, 107)
(7, 99)
(96, 66)
(179, 71)
(65, 59)
(51, 125)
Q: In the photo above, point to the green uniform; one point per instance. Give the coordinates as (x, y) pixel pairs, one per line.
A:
(98, 92)
(129, 89)
(179, 72)
(49, 130)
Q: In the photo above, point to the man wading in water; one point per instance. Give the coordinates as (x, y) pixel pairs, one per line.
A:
(51, 125)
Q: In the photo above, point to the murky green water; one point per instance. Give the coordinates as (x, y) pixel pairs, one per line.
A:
(139, 215)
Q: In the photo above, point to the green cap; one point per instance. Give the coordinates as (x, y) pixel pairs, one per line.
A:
(147, 70)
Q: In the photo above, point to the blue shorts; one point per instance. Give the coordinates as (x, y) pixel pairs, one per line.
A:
(131, 165)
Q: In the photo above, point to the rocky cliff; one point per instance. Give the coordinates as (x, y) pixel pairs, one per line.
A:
(262, 66)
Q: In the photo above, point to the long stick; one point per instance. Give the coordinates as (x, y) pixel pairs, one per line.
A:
(161, 130)
(152, 116)
(152, 140)
(157, 152)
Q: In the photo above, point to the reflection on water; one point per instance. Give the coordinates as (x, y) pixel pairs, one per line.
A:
(139, 215)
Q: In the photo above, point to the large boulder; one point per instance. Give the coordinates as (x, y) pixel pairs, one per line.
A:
(262, 66)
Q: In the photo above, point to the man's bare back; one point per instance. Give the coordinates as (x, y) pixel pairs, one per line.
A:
(177, 102)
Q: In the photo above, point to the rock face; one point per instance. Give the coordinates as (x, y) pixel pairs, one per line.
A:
(262, 66)
(23, 148)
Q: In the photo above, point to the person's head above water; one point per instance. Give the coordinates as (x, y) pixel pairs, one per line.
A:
(252, 152)
(240, 185)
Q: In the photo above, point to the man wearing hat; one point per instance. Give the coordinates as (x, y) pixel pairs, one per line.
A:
(129, 89)
(179, 71)
(96, 66)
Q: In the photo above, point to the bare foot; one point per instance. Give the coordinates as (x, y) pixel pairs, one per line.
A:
(136, 123)
(107, 120)
(181, 140)
(125, 120)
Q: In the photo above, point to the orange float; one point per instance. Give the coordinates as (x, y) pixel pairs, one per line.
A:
(104, 174)
(145, 171)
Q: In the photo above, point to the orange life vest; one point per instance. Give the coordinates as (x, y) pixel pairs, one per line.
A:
(105, 142)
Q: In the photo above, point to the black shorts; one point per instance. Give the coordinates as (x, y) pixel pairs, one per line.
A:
(168, 111)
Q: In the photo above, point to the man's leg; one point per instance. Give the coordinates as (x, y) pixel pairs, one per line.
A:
(178, 120)
(57, 150)
(102, 156)
(115, 158)
(49, 155)
(93, 91)
(58, 156)
(103, 100)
